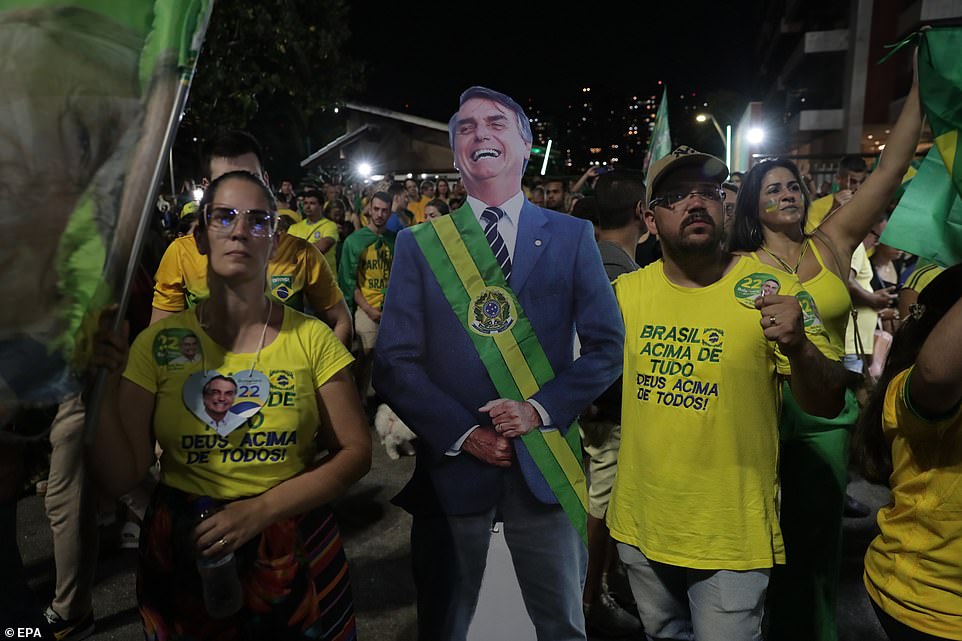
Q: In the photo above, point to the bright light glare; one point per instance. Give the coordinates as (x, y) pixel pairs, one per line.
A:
(756, 135)
(701, 117)
(198, 194)
(364, 169)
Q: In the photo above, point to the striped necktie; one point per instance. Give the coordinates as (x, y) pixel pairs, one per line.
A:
(490, 218)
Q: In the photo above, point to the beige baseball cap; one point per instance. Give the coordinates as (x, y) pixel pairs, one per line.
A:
(713, 169)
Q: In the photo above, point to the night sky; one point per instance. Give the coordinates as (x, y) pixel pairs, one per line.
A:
(420, 56)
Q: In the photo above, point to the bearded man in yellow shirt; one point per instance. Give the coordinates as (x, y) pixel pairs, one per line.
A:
(694, 506)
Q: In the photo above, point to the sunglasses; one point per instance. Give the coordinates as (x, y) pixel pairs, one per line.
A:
(672, 199)
(261, 223)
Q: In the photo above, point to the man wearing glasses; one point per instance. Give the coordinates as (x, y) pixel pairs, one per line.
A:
(694, 505)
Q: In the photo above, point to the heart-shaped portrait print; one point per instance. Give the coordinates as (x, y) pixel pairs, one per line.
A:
(225, 401)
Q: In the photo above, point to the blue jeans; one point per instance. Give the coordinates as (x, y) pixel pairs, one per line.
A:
(682, 604)
(449, 554)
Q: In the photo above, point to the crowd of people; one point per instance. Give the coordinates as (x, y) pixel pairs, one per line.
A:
(661, 404)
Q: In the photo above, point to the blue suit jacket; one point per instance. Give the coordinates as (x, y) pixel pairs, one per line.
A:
(427, 369)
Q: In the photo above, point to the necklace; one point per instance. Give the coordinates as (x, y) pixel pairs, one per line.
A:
(260, 343)
(785, 265)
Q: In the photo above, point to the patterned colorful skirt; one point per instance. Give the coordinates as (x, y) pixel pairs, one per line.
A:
(294, 579)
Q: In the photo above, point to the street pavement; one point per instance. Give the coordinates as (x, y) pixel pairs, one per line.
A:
(376, 536)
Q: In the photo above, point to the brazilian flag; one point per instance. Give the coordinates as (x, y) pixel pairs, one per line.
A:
(928, 219)
(91, 92)
(660, 144)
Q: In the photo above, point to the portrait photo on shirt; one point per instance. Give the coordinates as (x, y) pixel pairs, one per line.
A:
(748, 289)
(225, 401)
(177, 346)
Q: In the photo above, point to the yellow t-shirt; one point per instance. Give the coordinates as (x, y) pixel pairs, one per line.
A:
(313, 232)
(913, 569)
(373, 272)
(697, 471)
(269, 408)
(295, 270)
(417, 208)
(925, 272)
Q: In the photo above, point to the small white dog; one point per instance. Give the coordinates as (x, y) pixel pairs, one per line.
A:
(394, 434)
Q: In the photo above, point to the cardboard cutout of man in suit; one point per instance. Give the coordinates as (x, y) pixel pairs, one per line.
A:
(471, 462)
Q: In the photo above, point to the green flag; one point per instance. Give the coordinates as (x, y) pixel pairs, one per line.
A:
(659, 145)
(88, 90)
(928, 219)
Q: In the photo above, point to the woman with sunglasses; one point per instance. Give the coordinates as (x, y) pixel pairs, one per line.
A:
(290, 437)
(770, 223)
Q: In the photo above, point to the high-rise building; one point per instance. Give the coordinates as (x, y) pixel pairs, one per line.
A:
(823, 95)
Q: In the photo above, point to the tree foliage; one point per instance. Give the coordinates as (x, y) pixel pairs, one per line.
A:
(271, 60)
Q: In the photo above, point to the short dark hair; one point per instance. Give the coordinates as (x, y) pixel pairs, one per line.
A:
(851, 165)
(313, 193)
(746, 233)
(618, 193)
(384, 197)
(564, 183)
(440, 205)
(185, 222)
(586, 209)
(231, 143)
(396, 189)
(524, 125)
(219, 377)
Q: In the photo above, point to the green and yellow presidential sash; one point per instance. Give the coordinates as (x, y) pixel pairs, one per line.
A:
(473, 284)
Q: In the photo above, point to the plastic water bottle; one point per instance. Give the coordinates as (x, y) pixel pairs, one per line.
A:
(218, 575)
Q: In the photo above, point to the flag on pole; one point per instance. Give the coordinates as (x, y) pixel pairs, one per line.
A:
(928, 219)
(88, 89)
(659, 145)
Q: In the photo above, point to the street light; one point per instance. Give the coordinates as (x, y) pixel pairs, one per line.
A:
(547, 153)
(364, 169)
(756, 135)
(726, 140)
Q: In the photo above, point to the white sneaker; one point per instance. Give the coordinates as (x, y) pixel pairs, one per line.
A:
(130, 536)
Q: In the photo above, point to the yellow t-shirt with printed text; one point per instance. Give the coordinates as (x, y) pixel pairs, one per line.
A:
(296, 271)
(373, 272)
(697, 476)
(273, 408)
(313, 232)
